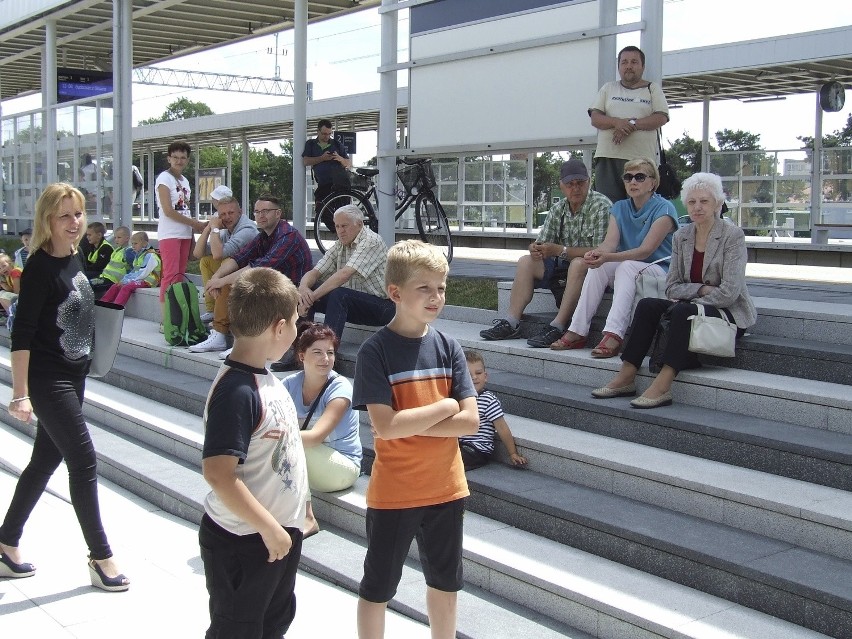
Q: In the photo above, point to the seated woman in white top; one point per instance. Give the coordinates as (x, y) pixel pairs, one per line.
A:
(323, 402)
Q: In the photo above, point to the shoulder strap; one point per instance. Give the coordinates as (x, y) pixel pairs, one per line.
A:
(316, 402)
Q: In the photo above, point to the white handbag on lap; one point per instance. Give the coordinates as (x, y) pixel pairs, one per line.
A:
(712, 335)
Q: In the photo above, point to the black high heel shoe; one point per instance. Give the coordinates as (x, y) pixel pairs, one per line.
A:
(110, 584)
(9, 568)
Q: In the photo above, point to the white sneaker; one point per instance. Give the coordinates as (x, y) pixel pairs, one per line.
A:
(224, 354)
(207, 317)
(216, 342)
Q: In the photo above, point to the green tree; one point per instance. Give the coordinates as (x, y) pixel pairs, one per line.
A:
(181, 109)
(684, 155)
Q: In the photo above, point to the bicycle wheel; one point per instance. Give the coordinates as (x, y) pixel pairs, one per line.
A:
(432, 223)
(334, 202)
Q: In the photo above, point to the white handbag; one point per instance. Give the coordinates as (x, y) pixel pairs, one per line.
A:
(649, 284)
(712, 335)
(109, 319)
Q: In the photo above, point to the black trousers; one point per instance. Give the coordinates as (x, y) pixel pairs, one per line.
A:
(250, 597)
(644, 327)
(61, 433)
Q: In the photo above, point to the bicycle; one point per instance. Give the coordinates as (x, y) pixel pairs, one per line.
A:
(417, 180)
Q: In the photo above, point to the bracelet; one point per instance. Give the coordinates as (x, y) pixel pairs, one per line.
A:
(19, 399)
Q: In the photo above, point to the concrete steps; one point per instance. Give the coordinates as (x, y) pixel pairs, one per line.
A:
(645, 492)
(807, 340)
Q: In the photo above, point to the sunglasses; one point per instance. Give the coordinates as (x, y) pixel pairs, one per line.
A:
(639, 177)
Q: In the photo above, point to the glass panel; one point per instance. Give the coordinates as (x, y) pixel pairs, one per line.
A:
(494, 192)
(65, 122)
(756, 217)
(448, 192)
(836, 190)
(725, 165)
(107, 115)
(837, 161)
(757, 191)
(517, 170)
(473, 192)
(517, 192)
(446, 171)
(793, 192)
(87, 121)
(473, 171)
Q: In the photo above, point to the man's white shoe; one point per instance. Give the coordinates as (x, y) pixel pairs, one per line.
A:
(224, 354)
(216, 342)
(207, 317)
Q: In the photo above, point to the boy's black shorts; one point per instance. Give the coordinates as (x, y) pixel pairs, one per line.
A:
(438, 530)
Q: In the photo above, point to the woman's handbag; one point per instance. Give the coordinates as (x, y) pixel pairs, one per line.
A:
(649, 284)
(109, 319)
(712, 335)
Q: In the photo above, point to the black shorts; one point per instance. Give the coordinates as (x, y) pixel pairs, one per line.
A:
(438, 530)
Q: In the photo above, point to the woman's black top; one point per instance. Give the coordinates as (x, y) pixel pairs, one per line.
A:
(55, 317)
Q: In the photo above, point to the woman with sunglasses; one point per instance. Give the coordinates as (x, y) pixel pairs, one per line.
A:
(323, 402)
(639, 234)
(708, 268)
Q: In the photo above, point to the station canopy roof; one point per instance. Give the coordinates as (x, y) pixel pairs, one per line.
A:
(162, 30)
(167, 29)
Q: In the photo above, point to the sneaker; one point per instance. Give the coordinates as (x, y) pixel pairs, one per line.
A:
(224, 354)
(207, 317)
(216, 342)
(501, 330)
(544, 339)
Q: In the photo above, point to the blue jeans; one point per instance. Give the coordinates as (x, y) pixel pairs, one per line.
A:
(345, 305)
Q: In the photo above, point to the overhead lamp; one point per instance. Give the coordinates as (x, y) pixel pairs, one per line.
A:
(771, 98)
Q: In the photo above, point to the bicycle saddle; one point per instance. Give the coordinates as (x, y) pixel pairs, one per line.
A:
(367, 172)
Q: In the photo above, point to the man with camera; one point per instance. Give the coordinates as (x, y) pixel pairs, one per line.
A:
(573, 226)
(329, 162)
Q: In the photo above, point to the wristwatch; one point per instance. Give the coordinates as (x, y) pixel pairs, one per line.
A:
(632, 121)
(564, 254)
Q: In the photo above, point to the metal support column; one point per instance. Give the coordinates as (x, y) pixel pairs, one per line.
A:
(387, 124)
(652, 39)
(122, 127)
(705, 136)
(300, 113)
(530, 192)
(608, 12)
(245, 168)
(49, 102)
(818, 236)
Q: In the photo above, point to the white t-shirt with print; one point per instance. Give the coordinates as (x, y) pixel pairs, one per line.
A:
(179, 193)
(617, 101)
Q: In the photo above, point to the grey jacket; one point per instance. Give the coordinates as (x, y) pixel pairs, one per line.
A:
(725, 260)
(243, 233)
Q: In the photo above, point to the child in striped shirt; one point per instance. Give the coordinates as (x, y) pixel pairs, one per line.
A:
(476, 450)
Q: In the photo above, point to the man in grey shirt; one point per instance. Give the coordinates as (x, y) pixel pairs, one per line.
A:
(227, 232)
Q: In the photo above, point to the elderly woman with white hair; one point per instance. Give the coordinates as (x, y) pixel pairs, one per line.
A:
(708, 268)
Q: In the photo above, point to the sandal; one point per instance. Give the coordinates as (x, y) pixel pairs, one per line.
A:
(565, 343)
(602, 351)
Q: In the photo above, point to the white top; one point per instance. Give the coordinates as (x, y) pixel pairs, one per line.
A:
(617, 101)
(179, 193)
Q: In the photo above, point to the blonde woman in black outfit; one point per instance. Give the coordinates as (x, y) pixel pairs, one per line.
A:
(51, 345)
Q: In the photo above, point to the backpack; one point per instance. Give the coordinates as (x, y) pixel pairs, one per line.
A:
(182, 324)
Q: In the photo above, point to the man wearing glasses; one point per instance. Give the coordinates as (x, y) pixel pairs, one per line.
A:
(628, 114)
(278, 246)
(573, 226)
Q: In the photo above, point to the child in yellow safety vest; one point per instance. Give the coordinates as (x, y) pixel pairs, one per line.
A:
(119, 265)
(146, 273)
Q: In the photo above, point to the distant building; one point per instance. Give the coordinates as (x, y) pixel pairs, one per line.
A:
(797, 167)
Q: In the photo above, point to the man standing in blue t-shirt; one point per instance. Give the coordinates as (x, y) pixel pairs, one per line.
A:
(329, 161)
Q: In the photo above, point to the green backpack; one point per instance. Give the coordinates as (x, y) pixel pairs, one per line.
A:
(182, 324)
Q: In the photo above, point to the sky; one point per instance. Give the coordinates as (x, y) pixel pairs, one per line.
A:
(343, 55)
